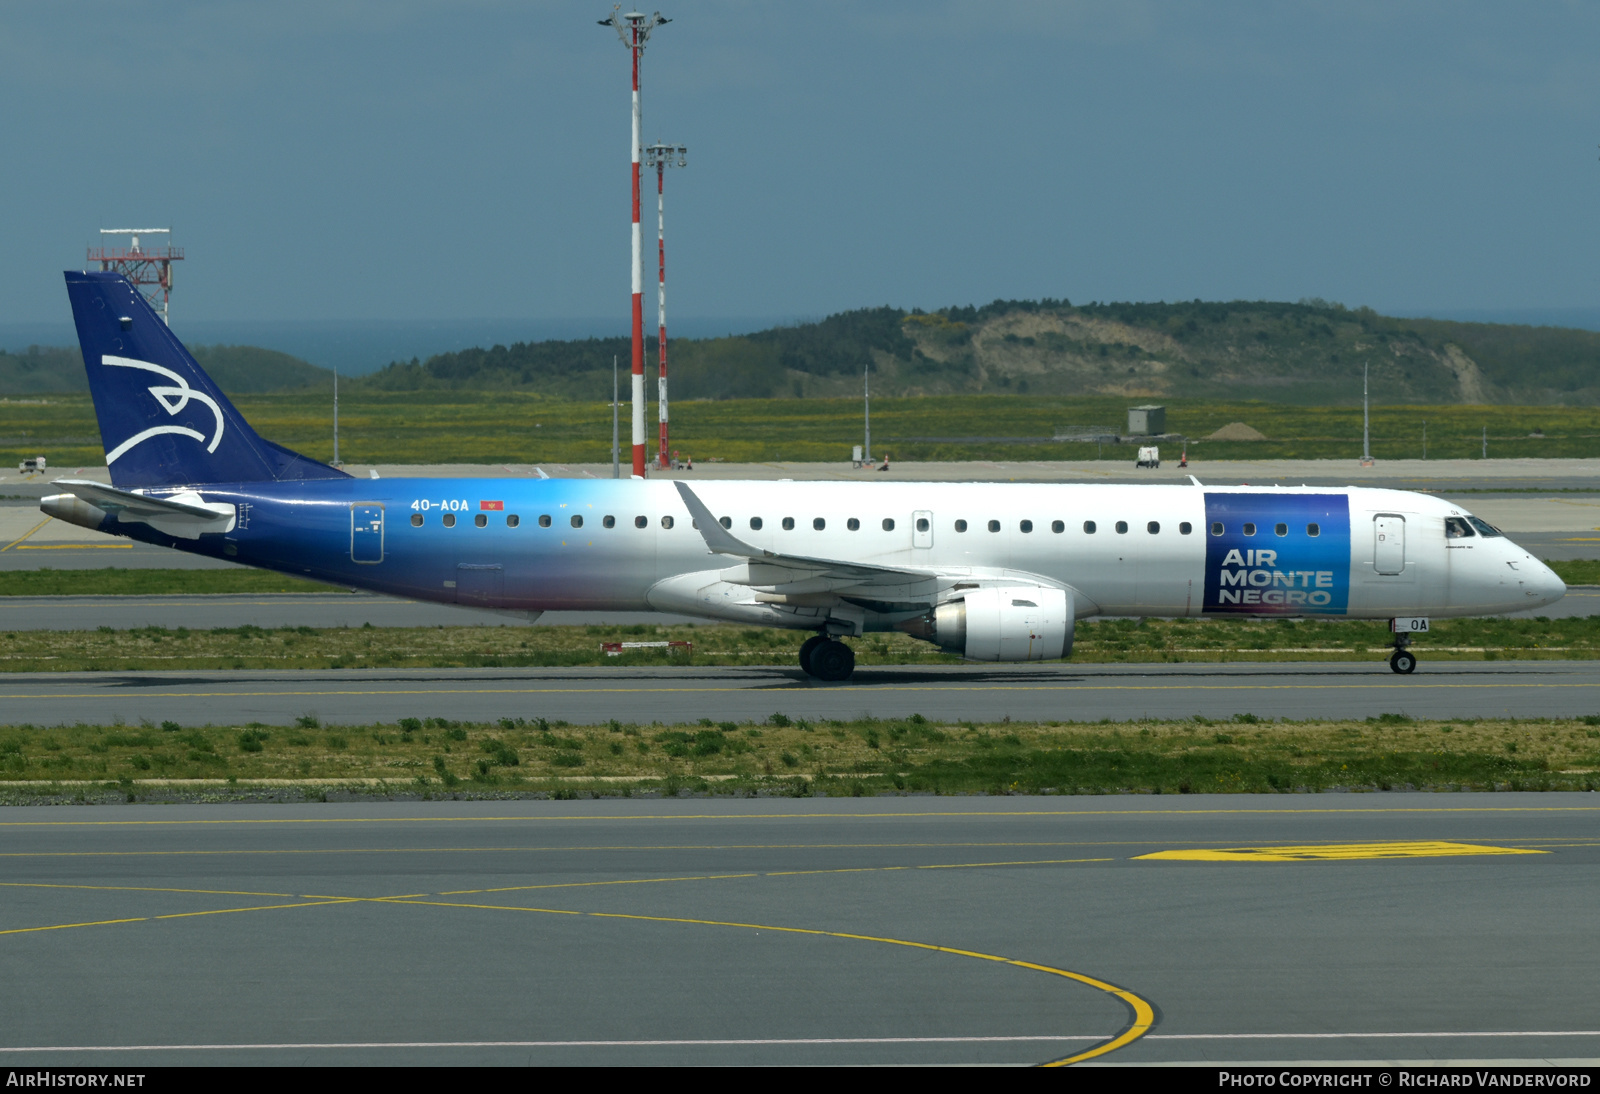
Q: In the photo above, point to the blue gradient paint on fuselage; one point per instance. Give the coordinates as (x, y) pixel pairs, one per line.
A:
(1252, 570)
(310, 529)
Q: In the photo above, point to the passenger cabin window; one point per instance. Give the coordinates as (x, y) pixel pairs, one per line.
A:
(544, 520)
(1456, 528)
(726, 522)
(1122, 527)
(1154, 527)
(961, 526)
(577, 520)
(994, 526)
(416, 520)
(1026, 526)
(481, 520)
(1313, 530)
(1058, 526)
(788, 524)
(449, 520)
(1185, 528)
(755, 524)
(1280, 529)
(641, 522)
(853, 524)
(888, 524)
(512, 520)
(818, 523)
(666, 522)
(1088, 527)
(923, 524)
(1484, 527)
(1216, 527)
(1249, 529)
(609, 522)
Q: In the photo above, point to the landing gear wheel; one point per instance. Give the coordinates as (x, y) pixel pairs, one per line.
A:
(807, 648)
(1404, 662)
(832, 660)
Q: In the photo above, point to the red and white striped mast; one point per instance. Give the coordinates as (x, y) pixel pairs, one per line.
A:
(634, 29)
(661, 157)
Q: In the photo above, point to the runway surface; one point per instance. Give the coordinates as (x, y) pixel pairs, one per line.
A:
(1383, 927)
(334, 609)
(1441, 689)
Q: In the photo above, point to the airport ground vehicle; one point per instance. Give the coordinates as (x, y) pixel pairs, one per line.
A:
(992, 571)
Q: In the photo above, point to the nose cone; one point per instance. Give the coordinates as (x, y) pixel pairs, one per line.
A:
(1543, 587)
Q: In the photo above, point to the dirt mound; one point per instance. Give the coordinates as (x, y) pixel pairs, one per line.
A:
(1237, 431)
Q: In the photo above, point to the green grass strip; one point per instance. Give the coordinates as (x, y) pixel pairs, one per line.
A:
(510, 646)
(781, 755)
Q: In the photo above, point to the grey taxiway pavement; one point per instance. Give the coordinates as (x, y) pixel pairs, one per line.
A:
(334, 609)
(1382, 927)
(590, 696)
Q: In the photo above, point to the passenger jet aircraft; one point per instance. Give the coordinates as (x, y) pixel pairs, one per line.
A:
(991, 571)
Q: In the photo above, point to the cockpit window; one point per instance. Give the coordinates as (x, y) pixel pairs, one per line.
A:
(1456, 528)
(1484, 527)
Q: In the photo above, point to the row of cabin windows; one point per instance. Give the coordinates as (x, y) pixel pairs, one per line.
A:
(1249, 529)
(922, 524)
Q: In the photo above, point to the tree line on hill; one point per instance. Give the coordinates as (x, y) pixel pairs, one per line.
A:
(1311, 352)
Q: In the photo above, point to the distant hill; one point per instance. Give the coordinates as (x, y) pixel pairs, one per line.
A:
(239, 370)
(1308, 353)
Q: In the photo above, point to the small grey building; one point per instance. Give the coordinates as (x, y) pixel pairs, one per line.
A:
(1147, 421)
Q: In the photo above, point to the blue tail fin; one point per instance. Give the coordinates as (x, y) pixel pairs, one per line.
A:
(162, 419)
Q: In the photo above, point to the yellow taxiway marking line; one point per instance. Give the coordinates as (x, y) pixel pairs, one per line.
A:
(134, 889)
(773, 873)
(26, 534)
(1142, 1013)
(1423, 849)
(179, 915)
(965, 814)
(1364, 684)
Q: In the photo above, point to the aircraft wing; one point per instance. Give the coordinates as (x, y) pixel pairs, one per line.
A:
(774, 568)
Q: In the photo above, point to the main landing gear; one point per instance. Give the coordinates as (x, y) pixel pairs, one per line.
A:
(1402, 660)
(827, 658)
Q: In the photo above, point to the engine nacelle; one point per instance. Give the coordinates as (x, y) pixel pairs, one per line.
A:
(1009, 623)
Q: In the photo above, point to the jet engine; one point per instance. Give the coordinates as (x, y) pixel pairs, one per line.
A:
(1008, 623)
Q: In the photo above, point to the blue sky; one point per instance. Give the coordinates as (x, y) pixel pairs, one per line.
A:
(344, 159)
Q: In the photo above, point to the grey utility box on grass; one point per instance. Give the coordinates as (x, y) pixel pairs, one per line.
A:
(1147, 421)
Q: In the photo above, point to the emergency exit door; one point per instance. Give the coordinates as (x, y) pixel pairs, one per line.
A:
(922, 528)
(1388, 543)
(366, 533)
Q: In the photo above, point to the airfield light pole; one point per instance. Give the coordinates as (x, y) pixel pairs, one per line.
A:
(336, 415)
(1366, 447)
(149, 270)
(634, 29)
(661, 157)
(866, 411)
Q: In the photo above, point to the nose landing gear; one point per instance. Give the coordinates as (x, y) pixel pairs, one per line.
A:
(827, 658)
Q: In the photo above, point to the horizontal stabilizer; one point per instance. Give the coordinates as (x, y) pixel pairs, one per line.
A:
(184, 515)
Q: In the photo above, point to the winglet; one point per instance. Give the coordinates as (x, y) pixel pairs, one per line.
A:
(718, 538)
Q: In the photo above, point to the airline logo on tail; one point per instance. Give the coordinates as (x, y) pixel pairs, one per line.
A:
(173, 399)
